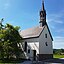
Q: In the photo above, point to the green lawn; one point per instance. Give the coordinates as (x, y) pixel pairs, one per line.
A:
(58, 56)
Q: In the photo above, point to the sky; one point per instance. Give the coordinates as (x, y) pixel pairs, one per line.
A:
(25, 13)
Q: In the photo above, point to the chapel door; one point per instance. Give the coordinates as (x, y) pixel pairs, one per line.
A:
(34, 54)
(25, 48)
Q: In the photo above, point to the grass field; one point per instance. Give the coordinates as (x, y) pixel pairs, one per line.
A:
(58, 56)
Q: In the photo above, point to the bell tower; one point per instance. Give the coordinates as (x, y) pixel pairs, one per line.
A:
(42, 15)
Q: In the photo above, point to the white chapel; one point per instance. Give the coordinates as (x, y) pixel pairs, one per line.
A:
(37, 41)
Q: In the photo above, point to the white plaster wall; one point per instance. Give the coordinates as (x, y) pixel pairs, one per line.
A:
(32, 46)
(43, 49)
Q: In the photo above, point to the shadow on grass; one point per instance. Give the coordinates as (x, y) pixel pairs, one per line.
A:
(12, 60)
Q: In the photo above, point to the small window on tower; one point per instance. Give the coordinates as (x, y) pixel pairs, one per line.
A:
(46, 44)
(45, 35)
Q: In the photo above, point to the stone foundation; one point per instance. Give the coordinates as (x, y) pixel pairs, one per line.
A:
(45, 56)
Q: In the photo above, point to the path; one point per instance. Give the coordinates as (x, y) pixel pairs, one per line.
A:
(49, 61)
(27, 62)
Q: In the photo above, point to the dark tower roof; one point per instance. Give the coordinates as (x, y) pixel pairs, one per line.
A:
(42, 15)
(43, 5)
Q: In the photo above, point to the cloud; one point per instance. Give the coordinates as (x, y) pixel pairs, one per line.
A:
(6, 6)
(49, 23)
(56, 18)
(58, 42)
(60, 30)
(59, 38)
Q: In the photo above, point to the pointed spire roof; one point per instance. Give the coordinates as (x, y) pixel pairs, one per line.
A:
(43, 8)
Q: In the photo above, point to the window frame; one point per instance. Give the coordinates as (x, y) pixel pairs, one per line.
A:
(45, 35)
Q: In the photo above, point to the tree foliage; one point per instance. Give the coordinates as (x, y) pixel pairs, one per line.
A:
(9, 38)
(58, 51)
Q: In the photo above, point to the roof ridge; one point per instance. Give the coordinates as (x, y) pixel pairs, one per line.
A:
(31, 32)
(29, 28)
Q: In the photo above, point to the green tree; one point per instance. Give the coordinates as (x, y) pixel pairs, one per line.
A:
(62, 50)
(9, 38)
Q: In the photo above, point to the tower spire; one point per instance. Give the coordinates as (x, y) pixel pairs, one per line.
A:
(42, 15)
(43, 5)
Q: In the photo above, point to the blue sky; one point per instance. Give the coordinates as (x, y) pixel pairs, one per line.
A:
(25, 13)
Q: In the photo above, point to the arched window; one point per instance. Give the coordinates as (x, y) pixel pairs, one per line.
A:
(46, 44)
(45, 35)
